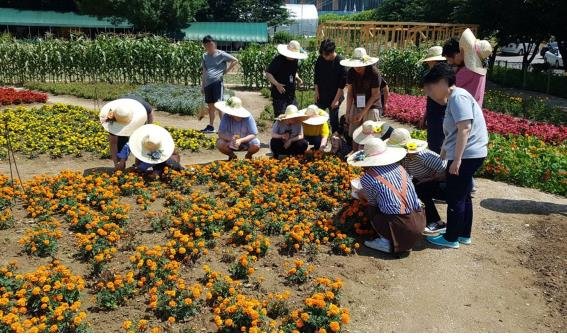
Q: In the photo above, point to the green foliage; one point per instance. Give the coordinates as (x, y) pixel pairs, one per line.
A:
(172, 98)
(270, 11)
(367, 15)
(100, 90)
(253, 61)
(534, 81)
(282, 37)
(304, 98)
(534, 108)
(307, 69)
(109, 59)
(156, 16)
(401, 67)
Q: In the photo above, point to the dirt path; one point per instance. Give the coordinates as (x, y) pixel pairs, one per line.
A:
(512, 279)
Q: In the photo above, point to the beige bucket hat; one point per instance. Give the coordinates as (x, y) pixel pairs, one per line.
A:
(291, 112)
(359, 58)
(475, 51)
(316, 115)
(292, 50)
(401, 138)
(434, 53)
(376, 153)
(233, 106)
(122, 116)
(369, 130)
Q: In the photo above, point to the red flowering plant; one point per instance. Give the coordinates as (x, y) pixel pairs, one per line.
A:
(10, 96)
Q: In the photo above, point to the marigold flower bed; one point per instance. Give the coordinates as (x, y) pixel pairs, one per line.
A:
(209, 226)
(11, 96)
(59, 130)
(410, 109)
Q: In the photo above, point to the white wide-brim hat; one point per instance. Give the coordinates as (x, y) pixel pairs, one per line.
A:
(401, 138)
(291, 112)
(376, 153)
(434, 53)
(355, 187)
(151, 144)
(359, 59)
(316, 115)
(233, 106)
(369, 130)
(122, 116)
(475, 51)
(292, 50)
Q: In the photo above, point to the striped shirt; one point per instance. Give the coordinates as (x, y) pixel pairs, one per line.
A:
(385, 199)
(424, 164)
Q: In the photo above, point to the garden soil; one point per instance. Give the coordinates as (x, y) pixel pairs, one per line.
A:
(513, 278)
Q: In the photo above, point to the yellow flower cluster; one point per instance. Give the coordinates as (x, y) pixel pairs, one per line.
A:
(41, 240)
(60, 130)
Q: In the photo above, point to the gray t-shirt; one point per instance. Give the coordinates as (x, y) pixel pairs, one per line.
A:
(215, 66)
(462, 106)
(281, 128)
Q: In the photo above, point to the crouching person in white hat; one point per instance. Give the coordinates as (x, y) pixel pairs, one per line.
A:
(237, 130)
(394, 208)
(316, 129)
(120, 118)
(287, 133)
(153, 147)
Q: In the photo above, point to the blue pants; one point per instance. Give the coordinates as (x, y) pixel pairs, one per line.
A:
(459, 203)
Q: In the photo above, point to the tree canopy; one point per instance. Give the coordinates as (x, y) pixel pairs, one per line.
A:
(271, 11)
(55, 5)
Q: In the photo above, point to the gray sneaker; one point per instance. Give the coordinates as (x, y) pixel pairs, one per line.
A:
(435, 229)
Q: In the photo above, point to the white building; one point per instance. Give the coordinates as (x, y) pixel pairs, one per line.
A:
(304, 20)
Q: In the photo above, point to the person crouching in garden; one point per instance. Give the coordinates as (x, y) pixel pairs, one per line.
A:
(154, 149)
(287, 133)
(434, 112)
(370, 130)
(237, 130)
(465, 147)
(428, 172)
(394, 208)
(363, 94)
(120, 118)
(216, 63)
(282, 75)
(316, 128)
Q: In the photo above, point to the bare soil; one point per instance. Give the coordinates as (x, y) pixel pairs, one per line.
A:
(511, 279)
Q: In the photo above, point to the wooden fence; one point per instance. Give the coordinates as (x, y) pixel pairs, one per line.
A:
(376, 35)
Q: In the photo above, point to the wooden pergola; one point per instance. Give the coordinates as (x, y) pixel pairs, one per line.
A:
(377, 35)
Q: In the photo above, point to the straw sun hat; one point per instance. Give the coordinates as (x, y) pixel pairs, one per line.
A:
(434, 53)
(359, 59)
(291, 112)
(233, 106)
(401, 138)
(376, 153)
(151, 144)
(369, 130)
(316, 115)
(123, 116)
(292, 50)
(475, 51)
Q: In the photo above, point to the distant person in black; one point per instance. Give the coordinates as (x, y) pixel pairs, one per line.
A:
(282, 74)
(330, 81)
(434, 112)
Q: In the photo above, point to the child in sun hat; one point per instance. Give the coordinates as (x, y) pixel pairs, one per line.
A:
(428, 172)
(120, 118)
(371, 129)
(394, 208)
(316, 129)
(364, 90)
(283, 76)
(287, 133)
(154, 149)
(237, 130)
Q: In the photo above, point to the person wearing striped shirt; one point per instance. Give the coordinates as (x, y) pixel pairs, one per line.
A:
(428, 171)
(394, 208)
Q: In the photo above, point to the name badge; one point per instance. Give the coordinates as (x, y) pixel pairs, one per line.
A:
(360, 101)
(291, 79)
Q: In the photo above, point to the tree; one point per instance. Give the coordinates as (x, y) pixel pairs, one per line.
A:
(271, 11)
(416, 10)
(166, 17)
(55, 5)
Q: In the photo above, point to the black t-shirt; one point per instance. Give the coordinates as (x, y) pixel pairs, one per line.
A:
(140, 100)
(284, 72)
(363, 85)
(329, 77)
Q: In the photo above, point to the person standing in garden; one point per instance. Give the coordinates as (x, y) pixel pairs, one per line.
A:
(434, 112)
(393, 205)
(287, 133)
(282, 73)
(216, 63)
(237, 130)
(364, 93)
(467, 55)
(465, 147)
(330, 81)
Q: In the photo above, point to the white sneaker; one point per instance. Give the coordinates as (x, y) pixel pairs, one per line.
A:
(379, 244)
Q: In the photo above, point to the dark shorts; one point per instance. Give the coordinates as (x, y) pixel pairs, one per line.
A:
(213, 92)
(122, 141)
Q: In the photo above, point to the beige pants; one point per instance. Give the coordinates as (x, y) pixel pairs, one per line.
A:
(373, 114)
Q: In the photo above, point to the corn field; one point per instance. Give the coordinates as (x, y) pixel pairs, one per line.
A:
(104, 59)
